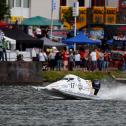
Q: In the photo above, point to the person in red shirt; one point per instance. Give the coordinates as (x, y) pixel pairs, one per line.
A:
(83, 60)
(65, 57)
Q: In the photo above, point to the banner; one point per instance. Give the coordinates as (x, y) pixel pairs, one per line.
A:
(110, 15)
(13, 19)
(53, 5)
(98, 15)
(81, 19)
(63, 10)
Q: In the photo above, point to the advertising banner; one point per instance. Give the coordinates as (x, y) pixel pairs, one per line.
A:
(98, 15)
(63, 10)
(81, 19)
(110, 15)
(13, 19)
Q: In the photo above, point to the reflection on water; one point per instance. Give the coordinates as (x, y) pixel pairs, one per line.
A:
(26, 106)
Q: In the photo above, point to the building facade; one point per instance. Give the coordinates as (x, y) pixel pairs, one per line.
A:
(19, 9)
(122, 11)
(29, 8)
(44, 8)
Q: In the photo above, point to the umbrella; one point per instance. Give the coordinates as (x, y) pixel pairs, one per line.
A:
(40, 21)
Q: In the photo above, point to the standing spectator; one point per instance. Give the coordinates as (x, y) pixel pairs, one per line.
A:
(93, 60)
(42, 57)
(1, 46)
(1, 52)
(106, 60)
(52, 61)
(58, 59)
(5, 46)
(77, 59)
(65, 55)
(83, 60)
(101, 61)
(71, 60)
(89, 63)
(34, 54)
(97, 57)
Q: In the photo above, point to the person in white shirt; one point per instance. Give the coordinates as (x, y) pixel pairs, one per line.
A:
(93, 57)
(77, 60)
(42, 56)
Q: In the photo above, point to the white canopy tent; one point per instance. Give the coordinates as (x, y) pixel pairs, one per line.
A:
(11, 43)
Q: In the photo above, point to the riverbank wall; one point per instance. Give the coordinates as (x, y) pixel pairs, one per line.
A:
(20, 73)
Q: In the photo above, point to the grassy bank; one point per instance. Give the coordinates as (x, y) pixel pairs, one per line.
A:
(52, 76)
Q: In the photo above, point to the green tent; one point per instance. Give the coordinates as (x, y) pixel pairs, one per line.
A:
(40, 21)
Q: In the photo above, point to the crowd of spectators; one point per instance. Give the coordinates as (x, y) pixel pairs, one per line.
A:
(82, 59)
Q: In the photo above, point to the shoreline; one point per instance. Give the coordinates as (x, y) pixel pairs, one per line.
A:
(29, 73)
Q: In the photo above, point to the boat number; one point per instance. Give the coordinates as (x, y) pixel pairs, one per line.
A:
(80, 87)
(72, 85)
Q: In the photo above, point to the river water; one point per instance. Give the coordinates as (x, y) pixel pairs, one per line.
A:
(26, 106)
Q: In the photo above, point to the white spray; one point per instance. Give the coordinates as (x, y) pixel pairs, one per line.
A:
(112, 91)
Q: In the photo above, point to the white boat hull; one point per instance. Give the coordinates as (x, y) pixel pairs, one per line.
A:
(71, 87)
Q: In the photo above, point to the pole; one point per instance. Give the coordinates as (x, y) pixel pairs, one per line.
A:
(75, 26)
(75, 14)
(51, 25)
(75, 30)
(51, 20)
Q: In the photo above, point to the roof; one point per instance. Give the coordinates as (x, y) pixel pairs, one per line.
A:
(81, 38)
(22, 39)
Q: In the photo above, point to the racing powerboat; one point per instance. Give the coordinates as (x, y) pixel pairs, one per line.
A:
(73, 87)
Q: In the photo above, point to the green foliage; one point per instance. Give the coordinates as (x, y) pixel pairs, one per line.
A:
(4, 10)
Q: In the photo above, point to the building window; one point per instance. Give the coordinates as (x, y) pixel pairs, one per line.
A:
(62, 2)
(26, 3)
(18, 3)
(10, 3)
(98, 2)
(81, 3)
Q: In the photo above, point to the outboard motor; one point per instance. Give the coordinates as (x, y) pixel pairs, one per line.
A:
(96, 85)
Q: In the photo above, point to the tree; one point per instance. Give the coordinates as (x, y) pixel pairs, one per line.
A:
(4, 9)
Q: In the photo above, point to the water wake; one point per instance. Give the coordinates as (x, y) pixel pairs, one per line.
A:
(113, 91)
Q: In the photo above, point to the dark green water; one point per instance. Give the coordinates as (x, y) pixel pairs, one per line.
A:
(26, 106)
